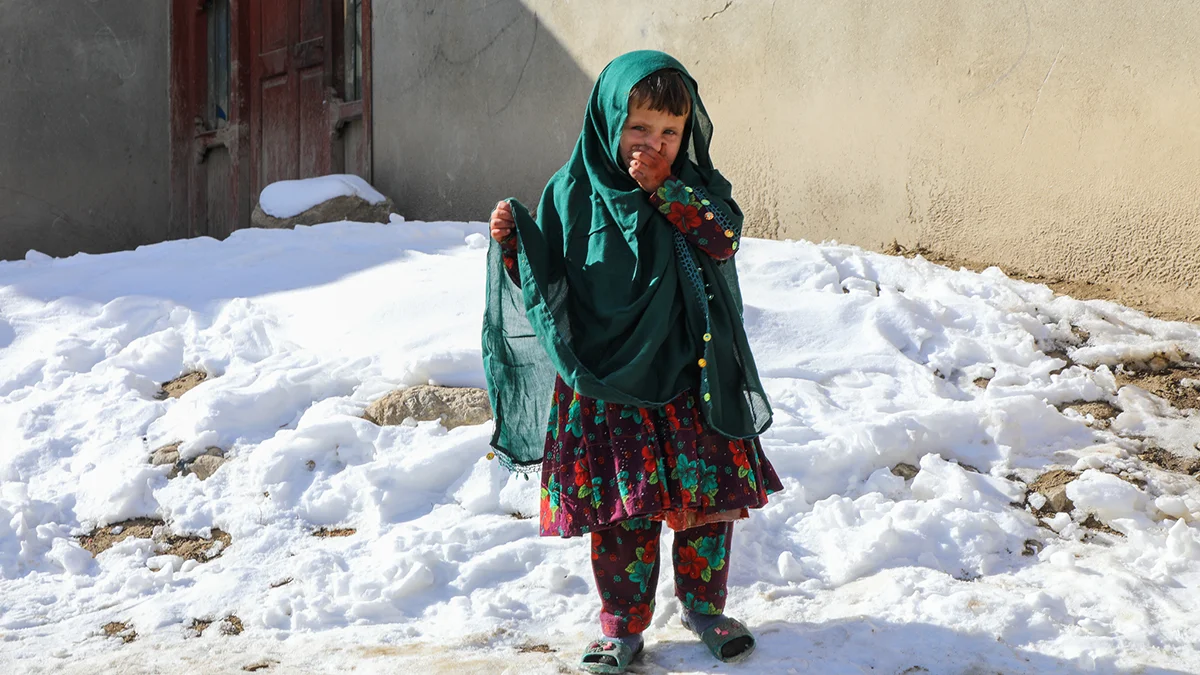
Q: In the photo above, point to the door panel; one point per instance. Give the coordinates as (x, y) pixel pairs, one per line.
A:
(314, 124)
(277, 143)
(291, 136)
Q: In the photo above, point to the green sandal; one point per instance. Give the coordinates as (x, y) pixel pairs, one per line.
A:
(728, 639)
(608, 657)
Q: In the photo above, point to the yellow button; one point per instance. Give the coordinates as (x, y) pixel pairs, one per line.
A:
(707, 337)
(702, 363)
(688, 189)
(729, 233)
(491, 455)
(708, 216)
(708, 397)
(735, 245)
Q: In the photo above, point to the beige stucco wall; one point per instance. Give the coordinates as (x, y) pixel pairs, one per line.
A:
(1047, 136)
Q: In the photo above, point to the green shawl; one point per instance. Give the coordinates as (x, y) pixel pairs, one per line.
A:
(612, 298)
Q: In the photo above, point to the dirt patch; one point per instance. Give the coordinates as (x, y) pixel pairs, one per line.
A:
(186, 547)
(536, 649)
(1061, 355)
(1052, 479)
(905, 471)
(380, 651)
(182, 384)
(982, 382)
(1136, 481)
(336, 532)
(121, 630)
(1164, 381)
(200, 626)
(1170, 461)
(106, 537)
(282, 582)
(1101, 411)
(195, 548)
(1094, 523)
(258, 665)
(1152, 304)
(1052, 485)
(231, 626)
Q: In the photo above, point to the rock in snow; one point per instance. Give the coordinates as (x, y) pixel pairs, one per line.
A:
(453, 406)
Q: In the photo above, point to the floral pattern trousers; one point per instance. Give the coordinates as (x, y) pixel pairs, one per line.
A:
(625, 562)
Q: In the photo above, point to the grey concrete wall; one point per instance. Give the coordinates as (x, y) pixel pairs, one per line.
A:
(473, 101)
(84, 123)
(1054, 137)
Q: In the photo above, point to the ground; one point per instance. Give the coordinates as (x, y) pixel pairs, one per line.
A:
(981, 476)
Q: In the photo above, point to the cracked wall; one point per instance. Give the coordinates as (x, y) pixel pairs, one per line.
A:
(473, 102)
(1054, 138)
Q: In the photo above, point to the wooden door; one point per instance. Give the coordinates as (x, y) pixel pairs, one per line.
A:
(290, 72)
(263, 90)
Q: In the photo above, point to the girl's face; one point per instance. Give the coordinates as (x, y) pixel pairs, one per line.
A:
(658, 130)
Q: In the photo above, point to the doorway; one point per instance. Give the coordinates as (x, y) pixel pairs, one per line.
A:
(261, 91)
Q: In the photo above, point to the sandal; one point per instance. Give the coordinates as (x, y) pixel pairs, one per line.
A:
(728, 639)
(608, 657)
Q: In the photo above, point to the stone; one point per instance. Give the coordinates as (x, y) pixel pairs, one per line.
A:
(1057, 500)
(353, 208)
(205, 466)
(905, 471)
(182, 384)
(168, 454)
(454, 406)
(1053, 486)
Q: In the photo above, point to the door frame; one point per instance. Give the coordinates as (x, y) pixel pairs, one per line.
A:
(191, 141)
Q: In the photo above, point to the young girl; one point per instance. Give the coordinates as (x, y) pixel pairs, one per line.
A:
(616, 315)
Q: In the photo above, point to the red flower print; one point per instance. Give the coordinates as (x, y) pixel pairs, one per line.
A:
(651, 462)
(581, 474)
(690, 563)
(671, 418)
(685, 217)
(639, 618)
(739, 455)
(650, 552)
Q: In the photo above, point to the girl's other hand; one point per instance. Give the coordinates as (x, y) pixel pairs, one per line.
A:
(501, 222)
(649, 168)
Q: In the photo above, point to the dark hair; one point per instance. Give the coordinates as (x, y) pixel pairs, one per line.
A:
(662, 90)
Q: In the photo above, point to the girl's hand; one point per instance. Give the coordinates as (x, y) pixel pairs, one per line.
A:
(501, 222)
(649, 168)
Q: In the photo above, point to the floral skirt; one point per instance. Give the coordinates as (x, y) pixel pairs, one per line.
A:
(606, 463)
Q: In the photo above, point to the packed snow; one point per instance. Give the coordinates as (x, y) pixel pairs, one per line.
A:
(870, 361)
(290, 198)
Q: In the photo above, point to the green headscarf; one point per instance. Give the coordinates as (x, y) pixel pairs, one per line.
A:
(612, 296)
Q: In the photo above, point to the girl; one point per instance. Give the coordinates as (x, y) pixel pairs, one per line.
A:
(616, 315)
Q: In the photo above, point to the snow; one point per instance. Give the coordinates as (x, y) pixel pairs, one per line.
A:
(289, 198)
(869, 360)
